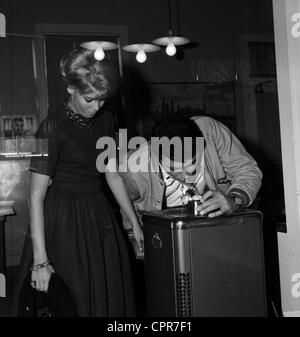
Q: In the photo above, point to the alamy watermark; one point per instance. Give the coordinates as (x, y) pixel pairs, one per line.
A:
(135, 155)
(176, 149)
(2, 25)
(2, 285)
(295, 30)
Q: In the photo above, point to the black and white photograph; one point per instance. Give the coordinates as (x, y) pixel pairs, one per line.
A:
(149, 162)
(17, 135)
(17, 126)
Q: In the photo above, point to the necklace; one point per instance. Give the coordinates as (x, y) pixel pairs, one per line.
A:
(84, 123)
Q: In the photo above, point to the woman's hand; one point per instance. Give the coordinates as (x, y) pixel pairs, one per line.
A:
(38, 188)
(138, 243)
(40, 278)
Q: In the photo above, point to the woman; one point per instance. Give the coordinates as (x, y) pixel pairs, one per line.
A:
(73, 228)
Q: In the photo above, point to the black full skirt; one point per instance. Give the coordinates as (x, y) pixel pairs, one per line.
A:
(88, 251)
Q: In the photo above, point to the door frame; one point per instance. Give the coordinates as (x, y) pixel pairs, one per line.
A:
(247, 115)
(39, 54)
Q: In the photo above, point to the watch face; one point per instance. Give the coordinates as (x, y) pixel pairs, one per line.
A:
(238, 201)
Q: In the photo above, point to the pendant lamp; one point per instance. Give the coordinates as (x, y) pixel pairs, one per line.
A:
(171, 41)
(99, 47)
(141, 49)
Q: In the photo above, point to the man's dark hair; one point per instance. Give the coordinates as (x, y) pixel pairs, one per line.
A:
(177, 125)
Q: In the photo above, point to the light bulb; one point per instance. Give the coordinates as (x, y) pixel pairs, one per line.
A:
(99, 53)
(141, 56)
(171, 49)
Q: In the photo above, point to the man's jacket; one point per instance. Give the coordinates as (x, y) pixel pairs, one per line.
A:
(228, 168)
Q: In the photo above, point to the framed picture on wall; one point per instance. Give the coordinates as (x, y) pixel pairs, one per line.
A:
(17, 135)
(18, 126)
(190, 98)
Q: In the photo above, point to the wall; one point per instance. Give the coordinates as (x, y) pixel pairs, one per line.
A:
(288, 70)
(215, 25)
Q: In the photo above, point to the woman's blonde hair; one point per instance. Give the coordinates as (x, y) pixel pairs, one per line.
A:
(82, 71)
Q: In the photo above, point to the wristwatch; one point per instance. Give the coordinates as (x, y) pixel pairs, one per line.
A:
(238, 201)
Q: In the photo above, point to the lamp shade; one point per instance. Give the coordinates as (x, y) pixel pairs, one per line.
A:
(146, 47)
(176, 40)
(105, 45)
(99, 47)
(171, 41)
(141, 49)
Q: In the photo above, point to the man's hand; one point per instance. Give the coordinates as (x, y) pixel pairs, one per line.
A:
(216, 203)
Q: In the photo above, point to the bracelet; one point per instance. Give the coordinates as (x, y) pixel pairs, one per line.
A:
(36, 267)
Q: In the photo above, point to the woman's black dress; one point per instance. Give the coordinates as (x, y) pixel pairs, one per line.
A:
(83, 240)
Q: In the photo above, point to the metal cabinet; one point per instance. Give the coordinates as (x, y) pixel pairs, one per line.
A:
(203, 267)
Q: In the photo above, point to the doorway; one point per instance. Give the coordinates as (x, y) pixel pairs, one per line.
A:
(55, 40)
(57, 46)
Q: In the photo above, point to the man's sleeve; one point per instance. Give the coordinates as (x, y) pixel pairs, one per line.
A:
(240, 167)
(130, 184)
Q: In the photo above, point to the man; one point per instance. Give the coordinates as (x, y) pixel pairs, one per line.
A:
(17, 127)
(227, 178)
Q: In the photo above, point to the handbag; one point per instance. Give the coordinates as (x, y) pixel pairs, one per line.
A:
(57, 302)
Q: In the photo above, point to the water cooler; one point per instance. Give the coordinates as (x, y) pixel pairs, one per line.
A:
(196, 266)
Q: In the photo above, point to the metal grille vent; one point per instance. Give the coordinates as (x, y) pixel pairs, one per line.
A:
(183, 290)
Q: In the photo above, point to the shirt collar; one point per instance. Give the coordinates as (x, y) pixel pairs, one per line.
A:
(168, 179)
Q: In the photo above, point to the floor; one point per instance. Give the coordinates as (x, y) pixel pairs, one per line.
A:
(272, 286)
(6, 303)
